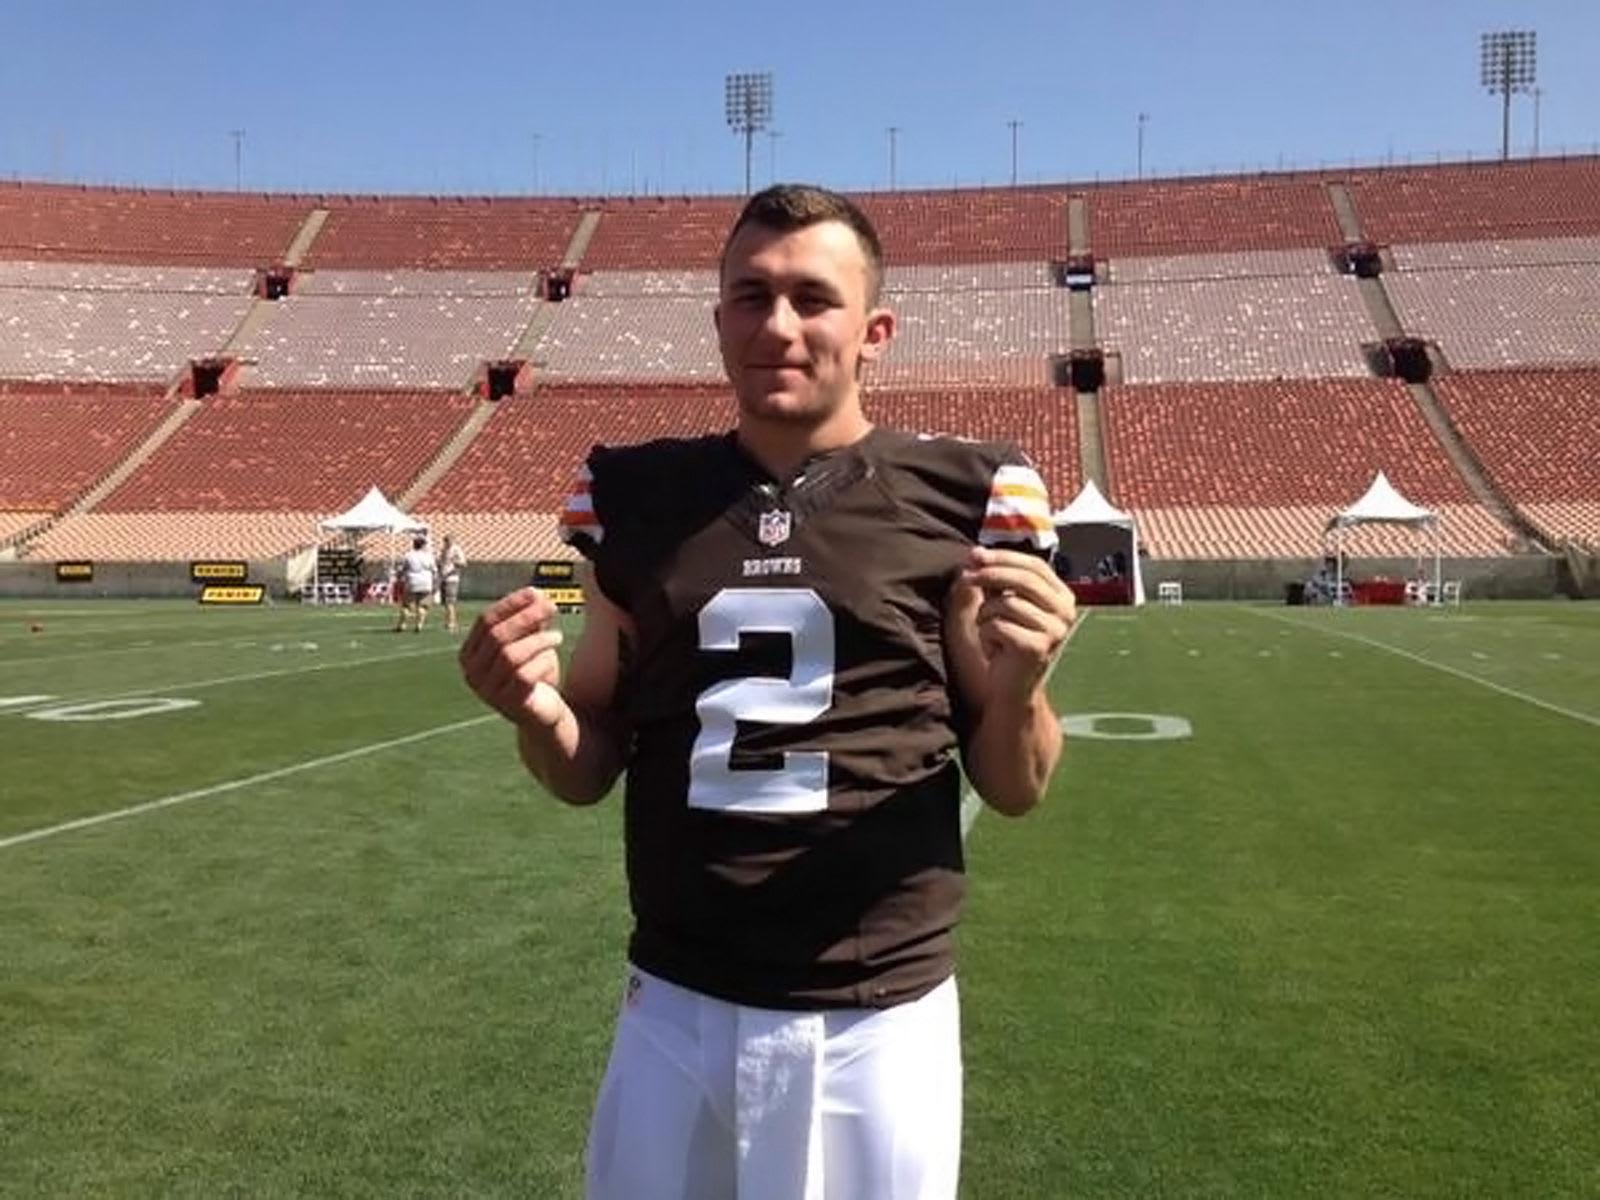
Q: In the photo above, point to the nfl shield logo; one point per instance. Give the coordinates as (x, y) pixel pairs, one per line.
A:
(774, 528)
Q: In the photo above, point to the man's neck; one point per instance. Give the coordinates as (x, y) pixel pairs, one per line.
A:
(780, 446)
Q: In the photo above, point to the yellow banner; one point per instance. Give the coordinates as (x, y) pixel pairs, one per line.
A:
(200, 572)
(248, 593)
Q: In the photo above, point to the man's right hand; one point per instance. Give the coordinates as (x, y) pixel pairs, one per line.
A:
(510, 660)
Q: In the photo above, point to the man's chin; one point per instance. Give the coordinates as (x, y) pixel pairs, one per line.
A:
(778, 404)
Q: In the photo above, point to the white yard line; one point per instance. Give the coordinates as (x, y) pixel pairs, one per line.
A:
(147, 647)
(234, 785)
(196, 685)
(1574, 714)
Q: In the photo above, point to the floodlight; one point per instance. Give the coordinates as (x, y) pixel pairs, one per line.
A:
(747, 102)
(1507, 63)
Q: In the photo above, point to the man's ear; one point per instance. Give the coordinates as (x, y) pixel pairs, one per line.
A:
(880, 332)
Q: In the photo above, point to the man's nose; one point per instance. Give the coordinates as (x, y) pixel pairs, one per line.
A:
(781, 320)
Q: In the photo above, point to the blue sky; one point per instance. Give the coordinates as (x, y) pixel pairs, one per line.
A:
(495, 96)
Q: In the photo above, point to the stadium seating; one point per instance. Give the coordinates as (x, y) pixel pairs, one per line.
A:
(367, 341)
(176, 536)
(976, 225)
(1042, 421)
(101, 329)
(265, 451)
(510, 536)
(55, 445)
(1225, 470)
(407, 282)
(527, 456)
(970, 335)
(13, 523)
(44, 222)
(1546, 252)
(637, 338)
(635, 284)
(1504, 316)
(1262, 327)
(1479, 202)
(1537, 434)
(660, 234)
(444, 234)
(1209, 215)
(1245, 414)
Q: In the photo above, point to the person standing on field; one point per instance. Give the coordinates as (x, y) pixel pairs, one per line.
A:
(797, 635)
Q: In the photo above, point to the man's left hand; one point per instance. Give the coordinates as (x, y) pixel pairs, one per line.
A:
(1023, 620)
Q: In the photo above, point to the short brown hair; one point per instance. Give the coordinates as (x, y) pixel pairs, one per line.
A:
(785, 207)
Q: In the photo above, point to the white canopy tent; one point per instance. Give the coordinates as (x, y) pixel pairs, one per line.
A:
(1091, 527)
(1382, 504)
(373, 513)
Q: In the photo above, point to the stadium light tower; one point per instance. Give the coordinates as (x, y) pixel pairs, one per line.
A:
(748, 105)
(1507, 61)
(238, 158)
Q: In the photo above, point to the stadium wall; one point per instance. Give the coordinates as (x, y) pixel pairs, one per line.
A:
(1526, 577)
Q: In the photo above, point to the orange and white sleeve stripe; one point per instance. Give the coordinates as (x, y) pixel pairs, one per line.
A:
(578, 519)
(1018, 512)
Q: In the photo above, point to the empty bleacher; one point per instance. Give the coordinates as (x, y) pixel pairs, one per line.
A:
(1241, 470)
(44, 222)
(527, 456)
(1542, 252)
(303, 451)
(974, 225)
(1503, 316)
(1479, 202)
(1245, 415)
(1537, 434)
(392, 341)
(633, 338)
(661, 234)
(82, 324)
(444, 233)
(1210, 215)
(410, 282)
(56, 443)
(975, 336)
(13, 523)
(1168, 326)
(176, 536)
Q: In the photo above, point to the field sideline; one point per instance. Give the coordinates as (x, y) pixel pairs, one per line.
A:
(1311, 911)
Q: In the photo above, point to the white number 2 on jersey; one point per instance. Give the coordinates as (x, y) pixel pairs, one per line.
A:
(801, 784)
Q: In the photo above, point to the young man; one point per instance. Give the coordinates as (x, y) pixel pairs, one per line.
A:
(450, 561)
(792, 632)
(416, 582)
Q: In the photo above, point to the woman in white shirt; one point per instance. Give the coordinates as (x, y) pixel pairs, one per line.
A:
(416, 578)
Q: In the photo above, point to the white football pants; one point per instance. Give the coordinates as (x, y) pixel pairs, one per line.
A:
(707, 1100)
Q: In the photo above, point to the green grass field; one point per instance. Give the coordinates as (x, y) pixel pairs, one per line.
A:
(314, 934)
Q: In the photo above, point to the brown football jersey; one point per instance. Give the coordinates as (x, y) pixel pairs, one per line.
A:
(793, 790)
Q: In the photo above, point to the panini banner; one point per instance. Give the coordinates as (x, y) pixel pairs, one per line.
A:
(246, 593)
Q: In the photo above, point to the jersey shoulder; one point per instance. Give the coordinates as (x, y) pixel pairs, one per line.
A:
(989, 491)
(620, 486)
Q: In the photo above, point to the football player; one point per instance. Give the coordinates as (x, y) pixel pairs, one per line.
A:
(798, 634)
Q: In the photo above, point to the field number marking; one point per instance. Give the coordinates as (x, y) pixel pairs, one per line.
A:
(1126, 727)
